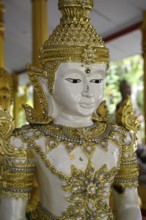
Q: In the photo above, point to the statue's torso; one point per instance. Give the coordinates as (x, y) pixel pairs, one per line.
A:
(75, 179)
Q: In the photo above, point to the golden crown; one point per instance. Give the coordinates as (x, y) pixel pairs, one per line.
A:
(88, 4)
(73, 40)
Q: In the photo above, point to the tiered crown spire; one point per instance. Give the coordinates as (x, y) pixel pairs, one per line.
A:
(74, 39)
(75, 8)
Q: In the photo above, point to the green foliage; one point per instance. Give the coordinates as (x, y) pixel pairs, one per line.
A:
(130, 69)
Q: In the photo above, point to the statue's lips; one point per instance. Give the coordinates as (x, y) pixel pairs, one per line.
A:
(87, 105)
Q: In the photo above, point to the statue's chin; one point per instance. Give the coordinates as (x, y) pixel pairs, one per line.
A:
(78, 110)
(85, 112)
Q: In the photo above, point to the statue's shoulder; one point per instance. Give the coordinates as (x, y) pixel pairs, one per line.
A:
(20, 142)
(25, 134)
(126, 127)
(121, 136)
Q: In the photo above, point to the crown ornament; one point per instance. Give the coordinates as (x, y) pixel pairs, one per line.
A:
(87, 4)
(73, 40)
(75, 7)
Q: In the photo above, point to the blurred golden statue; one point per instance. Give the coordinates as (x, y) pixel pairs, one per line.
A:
(6, 89)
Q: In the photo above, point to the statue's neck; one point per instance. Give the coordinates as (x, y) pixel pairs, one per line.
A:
(73, 121)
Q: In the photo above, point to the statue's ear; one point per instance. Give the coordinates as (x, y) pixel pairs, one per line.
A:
(38, 78)
(44, 84)
(34, 74)
(52, 111)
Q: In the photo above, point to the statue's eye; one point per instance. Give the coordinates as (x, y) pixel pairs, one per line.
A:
(96, 80)
(73, 80)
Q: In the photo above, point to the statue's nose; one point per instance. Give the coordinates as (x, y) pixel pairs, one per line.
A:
(87, 91)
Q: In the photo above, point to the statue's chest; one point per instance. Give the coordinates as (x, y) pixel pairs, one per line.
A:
(63, 160)
(63, 148)
(83, 181)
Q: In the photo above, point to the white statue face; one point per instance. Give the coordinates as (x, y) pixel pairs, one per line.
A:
(78, 88)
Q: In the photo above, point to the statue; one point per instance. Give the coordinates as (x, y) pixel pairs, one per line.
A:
(6, 89)
(6, 100)
(79, 159)
(125, 90)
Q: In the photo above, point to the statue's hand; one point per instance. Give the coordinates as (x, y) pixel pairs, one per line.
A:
(6, 128)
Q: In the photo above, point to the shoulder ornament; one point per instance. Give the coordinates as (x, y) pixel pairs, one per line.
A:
(6, 128)
(125, 116)
(102, 113)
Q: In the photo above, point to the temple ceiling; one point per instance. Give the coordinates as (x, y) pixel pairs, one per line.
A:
(111, 18)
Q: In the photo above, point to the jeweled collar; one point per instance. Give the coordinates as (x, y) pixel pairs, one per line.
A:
(92, 133)
(87, 137)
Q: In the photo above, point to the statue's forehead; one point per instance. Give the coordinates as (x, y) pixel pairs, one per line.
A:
(69, 66)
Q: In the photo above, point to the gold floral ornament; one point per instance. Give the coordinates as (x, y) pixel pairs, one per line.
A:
(31, 114)
(6, 128)
(102, 113)
(89, 192)
(89, 55)
(125, 116)
(73, 40)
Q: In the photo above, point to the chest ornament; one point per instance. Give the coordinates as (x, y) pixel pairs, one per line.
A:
(87, 138)
(88, 192)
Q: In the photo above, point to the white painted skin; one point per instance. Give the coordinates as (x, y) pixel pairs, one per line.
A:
(77, 94)
(72, 104)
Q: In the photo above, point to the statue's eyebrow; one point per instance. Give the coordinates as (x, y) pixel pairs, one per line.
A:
(100, 71)
(72, 71)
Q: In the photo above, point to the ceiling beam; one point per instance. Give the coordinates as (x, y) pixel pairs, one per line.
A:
(122, 32)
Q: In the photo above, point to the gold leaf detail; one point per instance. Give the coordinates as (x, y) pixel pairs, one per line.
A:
(125, 116)
(102, 112)
(6, 128)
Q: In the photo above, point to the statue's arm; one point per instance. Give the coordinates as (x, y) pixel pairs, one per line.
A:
(17, 180)
(13, 209)
(126, 205)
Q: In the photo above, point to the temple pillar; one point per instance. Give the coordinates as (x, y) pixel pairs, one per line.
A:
(40, 26)
(15, 109)
(6, 84)
(40, 33)
(2, 64)
(144, 58)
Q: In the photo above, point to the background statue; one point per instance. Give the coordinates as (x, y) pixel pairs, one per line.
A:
(6, 89)
(77, 156)
(125, 90)
(6, 100)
